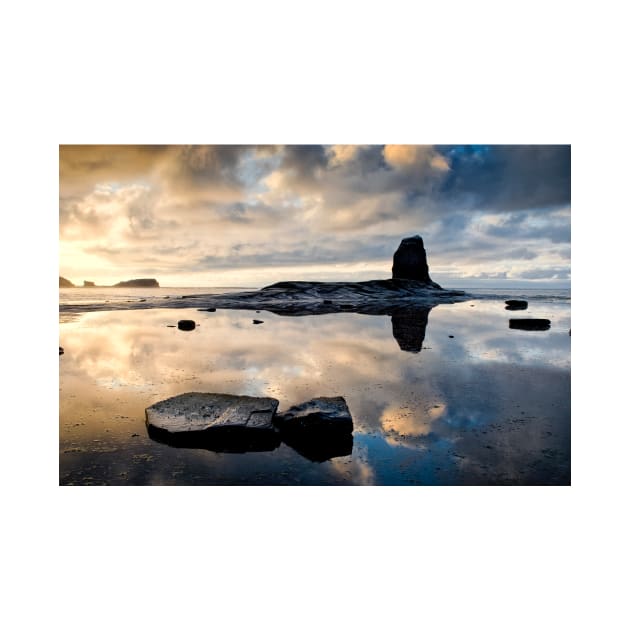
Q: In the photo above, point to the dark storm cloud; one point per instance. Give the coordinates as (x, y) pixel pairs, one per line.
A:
(305, 160)
(508, 177)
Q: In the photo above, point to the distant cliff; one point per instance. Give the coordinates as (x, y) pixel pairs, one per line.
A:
(139, 282)
(64, 283)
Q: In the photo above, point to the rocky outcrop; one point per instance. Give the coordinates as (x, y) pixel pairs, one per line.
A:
(374, 297)
(530, 324)
(64, 283)
(410, 261)
(139, 282)
(87, 283)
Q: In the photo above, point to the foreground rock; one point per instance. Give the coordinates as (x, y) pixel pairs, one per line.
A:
(530, 324)
(139, 282)
(319, 429)
(516, 305)
(220, 422)
(186, 324)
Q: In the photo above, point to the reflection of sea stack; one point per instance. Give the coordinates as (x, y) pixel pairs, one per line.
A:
(409, 326)
(410, 260)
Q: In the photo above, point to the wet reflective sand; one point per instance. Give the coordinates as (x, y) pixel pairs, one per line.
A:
(449, 395)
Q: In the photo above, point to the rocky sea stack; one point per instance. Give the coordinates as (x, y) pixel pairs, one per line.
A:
(410, 261)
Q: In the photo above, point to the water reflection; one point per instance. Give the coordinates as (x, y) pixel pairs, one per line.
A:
(480, 404)
(409, 327)
(220, 440)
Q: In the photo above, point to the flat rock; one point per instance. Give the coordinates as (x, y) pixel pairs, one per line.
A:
(218, 422)
(530, 324)
(195, 412)
(516, 305)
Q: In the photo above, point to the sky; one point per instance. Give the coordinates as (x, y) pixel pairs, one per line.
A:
(235, 215)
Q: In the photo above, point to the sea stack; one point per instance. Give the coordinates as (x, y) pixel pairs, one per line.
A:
(410, 260)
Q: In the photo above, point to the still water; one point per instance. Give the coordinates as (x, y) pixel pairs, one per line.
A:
(442, 396)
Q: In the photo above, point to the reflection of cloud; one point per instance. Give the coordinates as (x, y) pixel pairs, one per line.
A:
(357, 469)
(437, 403)
(410, 422)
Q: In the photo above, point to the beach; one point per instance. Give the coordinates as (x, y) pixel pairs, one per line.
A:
(448, 395)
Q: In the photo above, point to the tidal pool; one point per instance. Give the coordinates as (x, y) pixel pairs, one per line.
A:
(442, 396)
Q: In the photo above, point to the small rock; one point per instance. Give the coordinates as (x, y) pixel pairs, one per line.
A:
(135, 435)
(211, 310)
(257, 321)
(186, 324)
(324, 412)
(60, 350)
(516, 305)
(451, 337)
(319, 429)
(171, 326)
(530, 324)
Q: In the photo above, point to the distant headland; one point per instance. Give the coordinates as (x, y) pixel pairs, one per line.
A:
(145, 283)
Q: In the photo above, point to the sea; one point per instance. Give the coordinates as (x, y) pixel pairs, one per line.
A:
(449, 395)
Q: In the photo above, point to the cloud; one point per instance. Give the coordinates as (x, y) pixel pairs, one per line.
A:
(482, 210)
(509, 177)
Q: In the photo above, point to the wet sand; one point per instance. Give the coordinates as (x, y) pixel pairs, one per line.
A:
(443, 396)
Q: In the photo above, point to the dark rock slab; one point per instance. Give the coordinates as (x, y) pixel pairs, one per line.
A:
(530, 324)
(516, 305)
(219, 422)
(186, 324)
(319, 429)
(257, 321)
